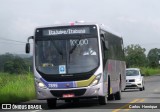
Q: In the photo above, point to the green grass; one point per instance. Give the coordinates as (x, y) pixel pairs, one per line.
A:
(150, 71)
(16, 88)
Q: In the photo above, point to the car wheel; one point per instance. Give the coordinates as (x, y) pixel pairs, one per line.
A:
(141, 89)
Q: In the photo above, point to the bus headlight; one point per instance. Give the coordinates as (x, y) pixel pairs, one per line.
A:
(96, 80)
(40, 84)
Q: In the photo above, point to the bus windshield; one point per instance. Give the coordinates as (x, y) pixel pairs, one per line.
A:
(66, 56)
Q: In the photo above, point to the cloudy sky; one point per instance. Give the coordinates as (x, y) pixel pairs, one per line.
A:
(138, 21)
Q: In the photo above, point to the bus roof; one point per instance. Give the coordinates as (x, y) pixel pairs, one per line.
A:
(101, 26)
(68, 24)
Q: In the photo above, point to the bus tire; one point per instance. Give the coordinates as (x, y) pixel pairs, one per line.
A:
(110, 97)
(102, 100)
(51, 103)
(118, 95)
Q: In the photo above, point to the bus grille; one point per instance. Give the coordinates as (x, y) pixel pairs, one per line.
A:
(59, 93)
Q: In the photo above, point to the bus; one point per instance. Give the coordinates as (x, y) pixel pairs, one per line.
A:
(75, 61)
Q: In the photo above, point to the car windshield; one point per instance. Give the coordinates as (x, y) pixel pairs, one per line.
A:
(66, 56)
(132, 72)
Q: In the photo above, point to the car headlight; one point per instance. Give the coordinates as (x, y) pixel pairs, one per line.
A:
(96, 80)
(137, 80)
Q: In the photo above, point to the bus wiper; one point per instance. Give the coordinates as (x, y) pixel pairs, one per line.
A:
(71, 51)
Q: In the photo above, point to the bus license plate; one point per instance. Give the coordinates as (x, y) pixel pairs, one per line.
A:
(68, 95)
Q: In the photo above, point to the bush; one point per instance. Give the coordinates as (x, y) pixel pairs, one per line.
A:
(16, 88)
(150, 71)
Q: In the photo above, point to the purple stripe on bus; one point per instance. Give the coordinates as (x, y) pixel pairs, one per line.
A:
(59, 85)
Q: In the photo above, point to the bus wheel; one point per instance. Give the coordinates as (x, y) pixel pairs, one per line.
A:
(51, 103)
(111, 97)
(118, 95)
(102, 100)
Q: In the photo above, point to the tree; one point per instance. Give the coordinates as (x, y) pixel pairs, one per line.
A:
(135, 55)
(8, 67)
(14, 64)
(153, 57)
(19, 65)
(4, 59)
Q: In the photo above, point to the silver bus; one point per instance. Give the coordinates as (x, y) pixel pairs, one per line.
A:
(77, 60)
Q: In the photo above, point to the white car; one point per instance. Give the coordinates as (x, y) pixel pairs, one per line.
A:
(134, 79)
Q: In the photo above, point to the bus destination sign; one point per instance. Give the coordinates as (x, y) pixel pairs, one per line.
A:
(66, 31)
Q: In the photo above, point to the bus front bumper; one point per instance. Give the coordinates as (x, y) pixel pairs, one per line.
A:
(90, 91)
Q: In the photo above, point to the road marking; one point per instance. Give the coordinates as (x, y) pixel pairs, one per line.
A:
(125, 106)
(140, 101)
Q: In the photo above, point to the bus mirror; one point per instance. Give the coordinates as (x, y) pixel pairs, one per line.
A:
(27, 47)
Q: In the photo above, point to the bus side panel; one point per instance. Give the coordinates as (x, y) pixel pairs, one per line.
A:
(116, 72)
(123, 76)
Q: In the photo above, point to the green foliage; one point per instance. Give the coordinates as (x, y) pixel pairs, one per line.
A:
(3, 59)
(135, 55)
(16, 88)
(14, 64)
(153, 57)
(147, 71)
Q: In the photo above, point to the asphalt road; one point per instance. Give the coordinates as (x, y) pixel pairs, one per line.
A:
(130, 98)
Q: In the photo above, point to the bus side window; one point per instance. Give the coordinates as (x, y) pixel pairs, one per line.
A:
(104, 51)
(102, 47)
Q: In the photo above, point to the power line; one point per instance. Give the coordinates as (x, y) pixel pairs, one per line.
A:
(12, 43)
(11, 40)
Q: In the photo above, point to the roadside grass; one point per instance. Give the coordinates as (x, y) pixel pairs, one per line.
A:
(150, 71)
(16, 88)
